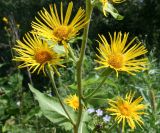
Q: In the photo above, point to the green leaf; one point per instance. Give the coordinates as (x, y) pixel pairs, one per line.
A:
(76, 39)
(56, 47)
(52, 109)
(83, 124)
(59, 49)
(109, 8)
(2, 64)
(86, 82)
(113, 11)
(33, 112)
(11, 83)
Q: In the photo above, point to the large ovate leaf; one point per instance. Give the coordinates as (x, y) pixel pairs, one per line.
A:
(52, 109)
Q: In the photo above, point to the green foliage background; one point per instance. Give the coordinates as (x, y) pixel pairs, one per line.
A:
(19, 112)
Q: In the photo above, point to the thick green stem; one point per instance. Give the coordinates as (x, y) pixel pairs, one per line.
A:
(89, 9)
(51, 76)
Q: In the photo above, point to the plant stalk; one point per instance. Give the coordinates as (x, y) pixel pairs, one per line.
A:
(89, 9)
(51, 76)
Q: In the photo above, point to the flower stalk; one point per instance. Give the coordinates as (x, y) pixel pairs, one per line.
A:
(51, 76)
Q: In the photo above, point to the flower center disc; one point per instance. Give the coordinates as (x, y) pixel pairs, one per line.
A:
(61, 32)
(75, 103)
(125, 110)
(43, 56)
(116, 60)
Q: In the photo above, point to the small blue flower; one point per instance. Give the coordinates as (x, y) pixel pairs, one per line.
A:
(90, 111)
(106, 118)
(99, 112)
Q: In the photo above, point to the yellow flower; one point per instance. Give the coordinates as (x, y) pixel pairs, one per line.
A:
(5, 20)
(72, 101)
(36, 54)
(59, 29)
(105, 4)
(120, 57)
(127, 110)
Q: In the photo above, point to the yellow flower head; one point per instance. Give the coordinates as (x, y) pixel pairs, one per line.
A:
(36, 54)
(105, 4)
(127, 110)
(72, 101)
(59, 29)
(5, 20)
(119, 56)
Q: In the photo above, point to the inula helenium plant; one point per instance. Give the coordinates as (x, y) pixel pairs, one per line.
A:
(75, 106)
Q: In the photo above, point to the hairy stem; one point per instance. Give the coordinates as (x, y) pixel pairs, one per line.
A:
(89, 9)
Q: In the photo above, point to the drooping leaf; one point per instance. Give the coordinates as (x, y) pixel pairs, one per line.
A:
(113, 11)
(52, 109)
(109, 8)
